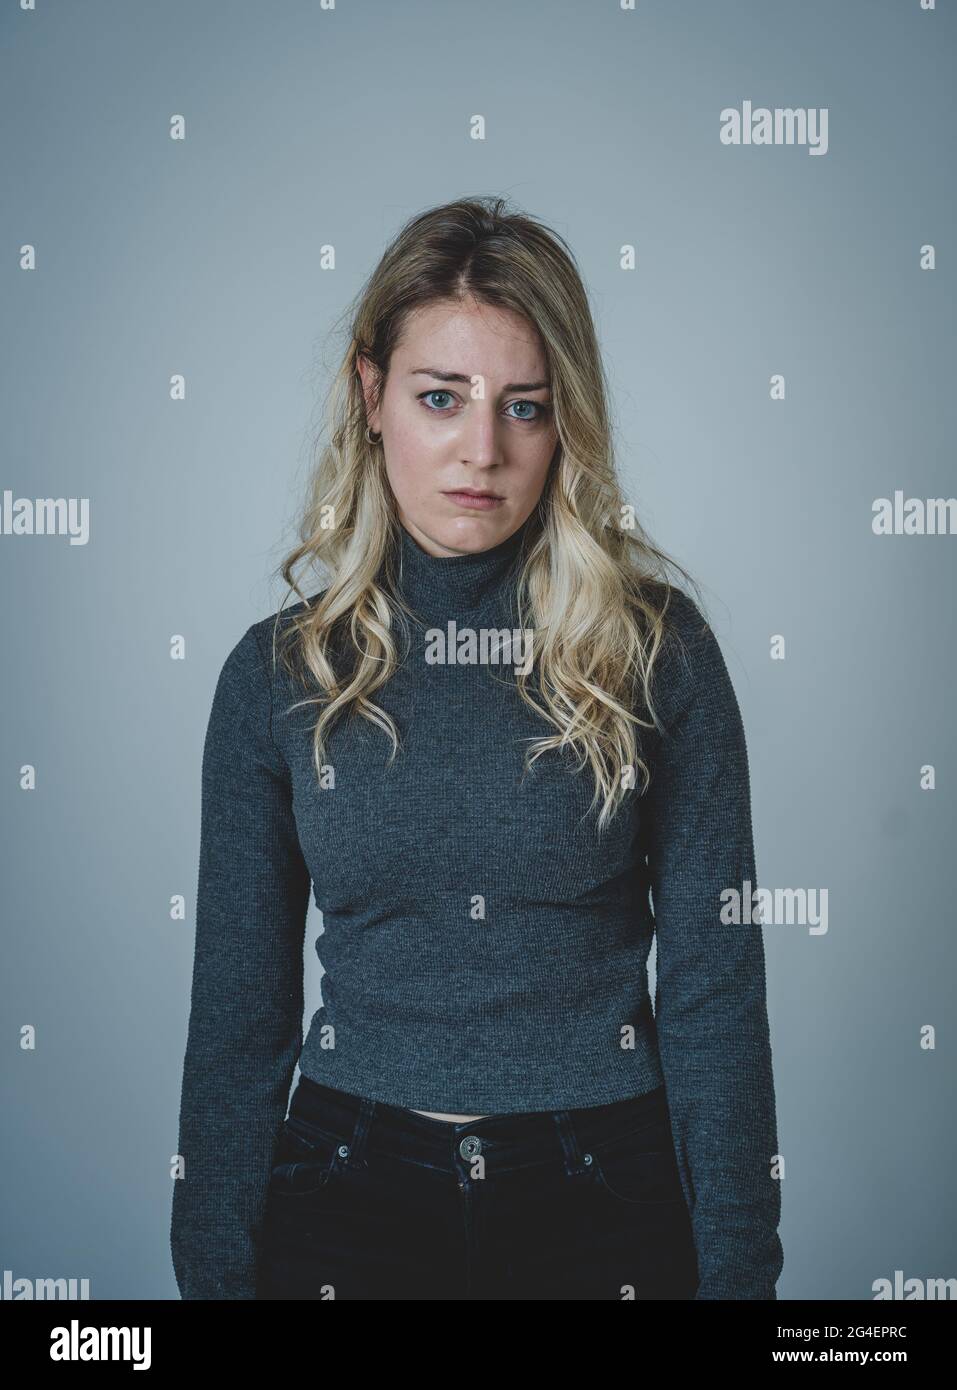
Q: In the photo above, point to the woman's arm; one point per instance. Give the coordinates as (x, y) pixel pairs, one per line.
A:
(711, 1005)
(245, 1022)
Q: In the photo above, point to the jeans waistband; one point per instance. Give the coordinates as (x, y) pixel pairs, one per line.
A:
(515, 1140)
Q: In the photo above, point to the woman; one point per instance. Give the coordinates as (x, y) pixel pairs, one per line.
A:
(487, 1106)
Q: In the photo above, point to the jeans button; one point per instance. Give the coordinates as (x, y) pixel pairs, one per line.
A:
(470, 1146)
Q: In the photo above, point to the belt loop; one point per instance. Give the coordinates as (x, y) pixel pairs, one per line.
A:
(569, 1142)
(357, 1144)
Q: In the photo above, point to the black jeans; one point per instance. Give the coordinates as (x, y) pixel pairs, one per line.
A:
(372, 1201)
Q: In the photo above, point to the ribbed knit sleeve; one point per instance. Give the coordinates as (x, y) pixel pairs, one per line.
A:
(245, 1021)
(710, 1005)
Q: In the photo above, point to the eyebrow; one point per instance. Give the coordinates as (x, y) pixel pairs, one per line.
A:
(467, 380)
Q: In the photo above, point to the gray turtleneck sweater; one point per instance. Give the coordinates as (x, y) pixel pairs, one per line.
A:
(484, 949)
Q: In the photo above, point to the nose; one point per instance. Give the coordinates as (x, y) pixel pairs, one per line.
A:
(481, 440)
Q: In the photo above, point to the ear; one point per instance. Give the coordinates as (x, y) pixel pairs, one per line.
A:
(369, 376)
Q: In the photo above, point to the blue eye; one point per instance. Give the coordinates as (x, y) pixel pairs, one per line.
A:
(426, 394)
(540, 410)
(530, 419)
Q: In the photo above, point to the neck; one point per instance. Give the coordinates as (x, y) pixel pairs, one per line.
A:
(441, 587)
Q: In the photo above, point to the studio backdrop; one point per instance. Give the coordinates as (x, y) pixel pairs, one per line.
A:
(759, 198)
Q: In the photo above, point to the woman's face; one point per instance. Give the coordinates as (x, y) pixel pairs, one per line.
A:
(465, 406)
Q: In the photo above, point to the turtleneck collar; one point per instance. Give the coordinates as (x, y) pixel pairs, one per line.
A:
(440, 587)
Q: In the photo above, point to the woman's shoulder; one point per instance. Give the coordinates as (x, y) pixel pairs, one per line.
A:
(689, 663)
(682, 616)
(254, 655)
(684, 627)
(286, 615)
(274, 633)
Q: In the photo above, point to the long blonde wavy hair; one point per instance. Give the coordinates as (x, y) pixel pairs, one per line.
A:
(592, 587)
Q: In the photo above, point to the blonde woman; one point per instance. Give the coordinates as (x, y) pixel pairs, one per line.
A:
(505, 751)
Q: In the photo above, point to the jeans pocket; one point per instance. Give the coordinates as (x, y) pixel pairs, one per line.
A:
(306, 1160)
(639, 1168)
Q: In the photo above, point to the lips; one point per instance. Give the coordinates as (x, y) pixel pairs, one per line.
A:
(475, 501)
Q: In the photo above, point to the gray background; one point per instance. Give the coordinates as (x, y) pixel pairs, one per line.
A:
(307, 127)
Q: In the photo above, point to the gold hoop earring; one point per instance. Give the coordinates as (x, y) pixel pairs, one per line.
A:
(373, 438)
